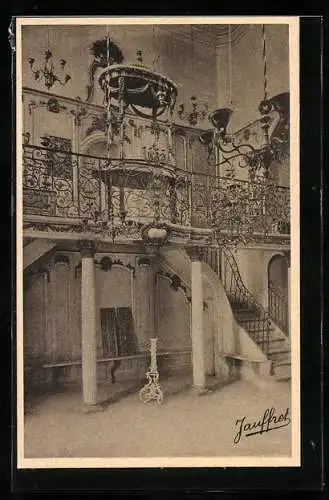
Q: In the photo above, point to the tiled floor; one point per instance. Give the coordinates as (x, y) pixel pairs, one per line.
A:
(184, 425)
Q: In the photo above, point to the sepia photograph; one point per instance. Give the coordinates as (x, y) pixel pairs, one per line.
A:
(157, 242)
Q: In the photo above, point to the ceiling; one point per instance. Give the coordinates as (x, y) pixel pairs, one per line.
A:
(219, 33)
(211, 34)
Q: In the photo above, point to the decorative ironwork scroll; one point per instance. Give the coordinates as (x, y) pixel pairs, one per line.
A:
(114, 197)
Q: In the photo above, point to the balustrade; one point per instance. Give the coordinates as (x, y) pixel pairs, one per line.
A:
(68, 185)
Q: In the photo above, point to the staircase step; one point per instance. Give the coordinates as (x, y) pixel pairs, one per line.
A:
(282, 371)
(273, 343)
(253, 319)
(278, 355)
(280, 350)
(244, 318)
(255, 330)
(284, 362)
(239, 310)
(271, 340)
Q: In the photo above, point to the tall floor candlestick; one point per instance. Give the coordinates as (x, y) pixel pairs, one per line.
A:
(152, 389)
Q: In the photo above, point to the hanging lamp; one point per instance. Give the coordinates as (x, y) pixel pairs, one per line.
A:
(47, 72)
(198, 111)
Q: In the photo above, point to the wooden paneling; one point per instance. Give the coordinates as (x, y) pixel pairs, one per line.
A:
(35, 320)
(64, 347)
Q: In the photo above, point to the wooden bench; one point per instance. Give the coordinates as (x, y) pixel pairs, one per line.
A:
(56, 367)
(242, 358)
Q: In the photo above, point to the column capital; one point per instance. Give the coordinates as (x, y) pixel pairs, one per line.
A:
(195, 253)
(151, 250)
(87, 248)
(287, 257)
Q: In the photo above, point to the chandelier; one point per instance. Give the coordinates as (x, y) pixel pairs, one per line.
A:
(47, 71)
(147, 94)
(198, 111)
(274, 148)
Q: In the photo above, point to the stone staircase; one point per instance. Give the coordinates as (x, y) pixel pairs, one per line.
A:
(277, 348)
(33, 250)
(251, 315)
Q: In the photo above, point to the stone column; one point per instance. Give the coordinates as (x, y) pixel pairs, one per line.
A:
(155, 294)
(154, 306)
(145, 280)
(88, 324)
(197, 333)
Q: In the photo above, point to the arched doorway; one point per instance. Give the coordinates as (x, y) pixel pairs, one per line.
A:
(278, 292)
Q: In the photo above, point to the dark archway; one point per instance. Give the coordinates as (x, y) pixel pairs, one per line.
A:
(278, 291)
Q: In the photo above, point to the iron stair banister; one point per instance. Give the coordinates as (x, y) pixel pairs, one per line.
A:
(278, 306)
(258, 326)
(241, 299)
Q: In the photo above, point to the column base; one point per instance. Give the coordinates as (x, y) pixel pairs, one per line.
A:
(200, 391)
(92, 408)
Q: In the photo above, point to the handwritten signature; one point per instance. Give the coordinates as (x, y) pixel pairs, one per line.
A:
(269, 421)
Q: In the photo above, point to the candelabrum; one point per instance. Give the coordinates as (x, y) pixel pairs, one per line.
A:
(47, 72)
(152, 389)
(274, 148)
(198, 112)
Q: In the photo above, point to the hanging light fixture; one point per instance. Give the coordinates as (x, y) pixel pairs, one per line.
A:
(273, 149)
(198, 111)
(147, 94)
(47, 71)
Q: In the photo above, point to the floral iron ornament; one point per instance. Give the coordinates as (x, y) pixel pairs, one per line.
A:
(47, 71)
(275, 148)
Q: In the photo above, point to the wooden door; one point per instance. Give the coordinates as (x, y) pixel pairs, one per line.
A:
(127, 340)
(109, 331)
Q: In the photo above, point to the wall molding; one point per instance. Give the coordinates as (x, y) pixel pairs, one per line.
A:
(106, 264)
(175, 283)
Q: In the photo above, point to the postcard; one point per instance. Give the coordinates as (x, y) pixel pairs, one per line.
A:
(157, 242)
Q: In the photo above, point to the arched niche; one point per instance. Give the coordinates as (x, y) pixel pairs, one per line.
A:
(277, 271)
(96, 145)
(278, 293)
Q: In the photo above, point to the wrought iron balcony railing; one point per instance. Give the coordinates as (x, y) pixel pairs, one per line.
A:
(63, 184)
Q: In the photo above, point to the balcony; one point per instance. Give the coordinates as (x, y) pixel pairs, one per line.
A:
(113, 197)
